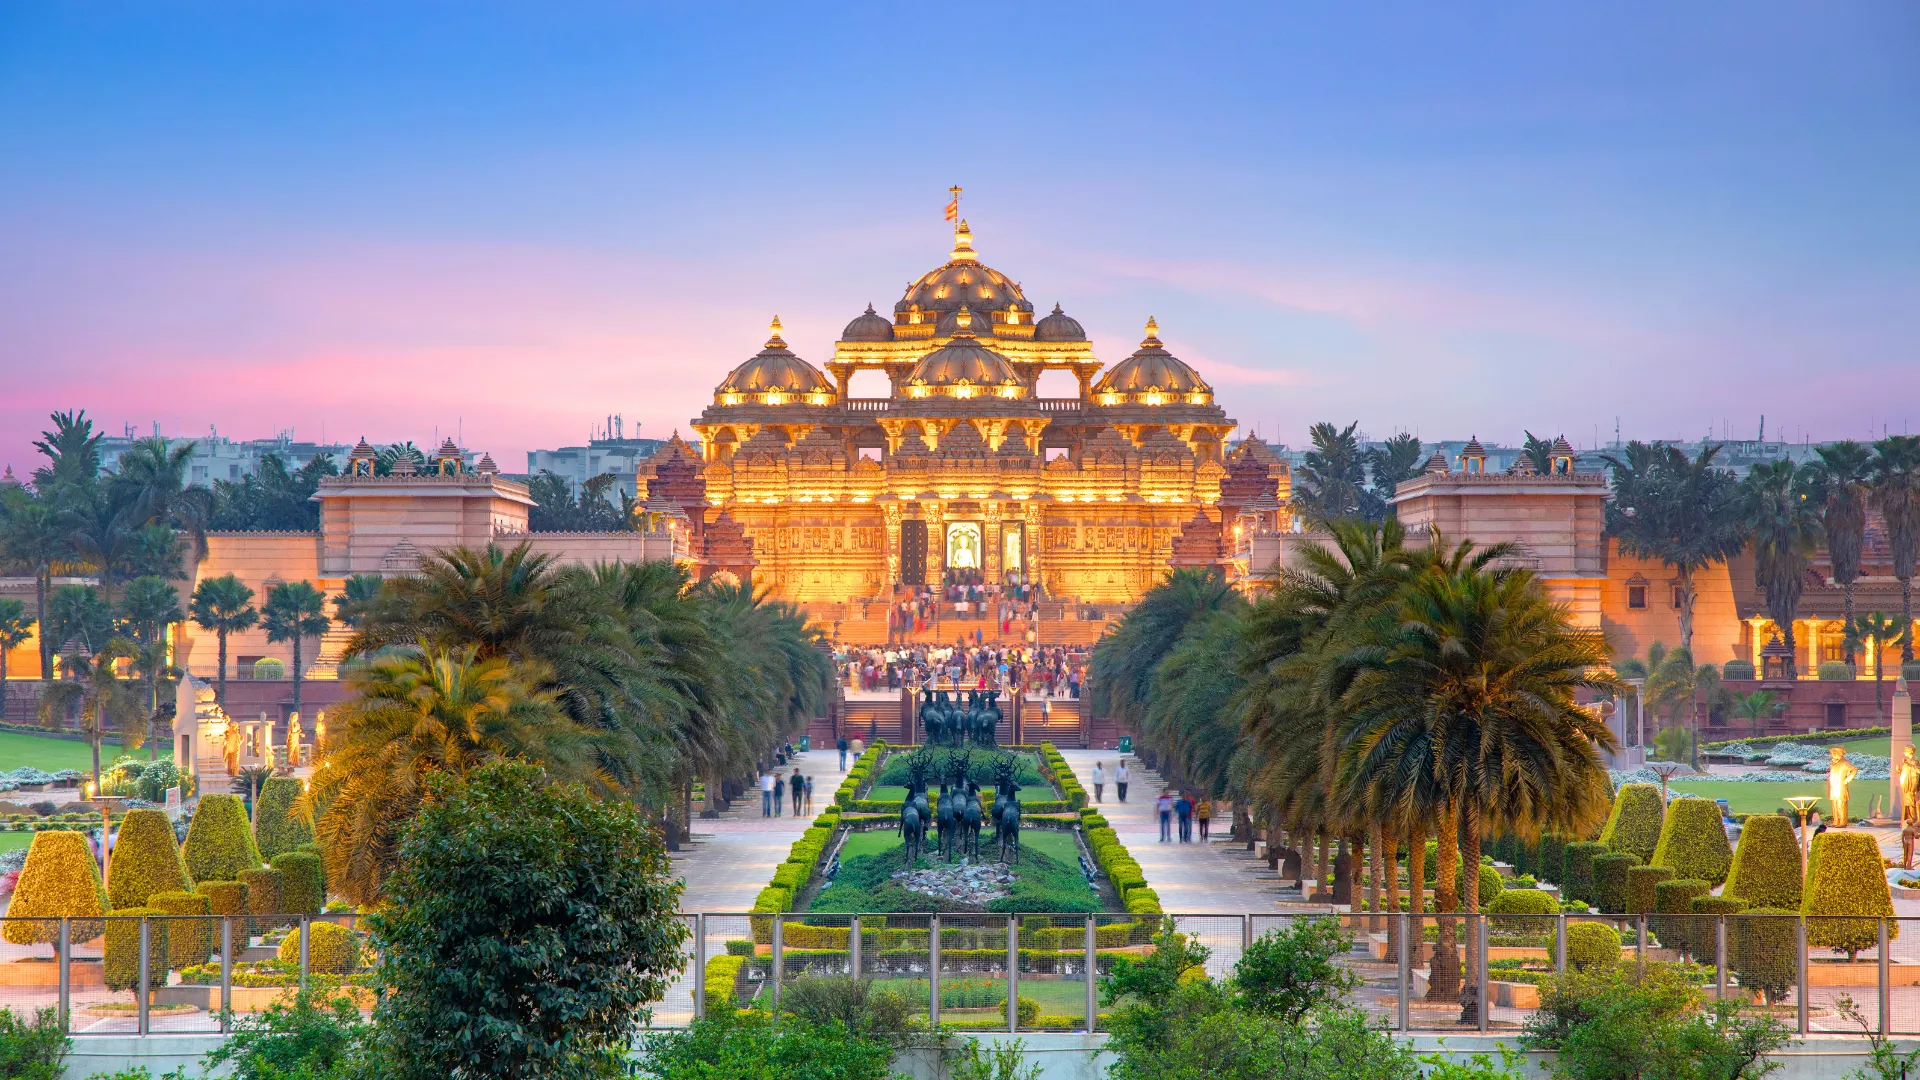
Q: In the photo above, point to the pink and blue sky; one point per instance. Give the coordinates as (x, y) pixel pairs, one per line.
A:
(514, 219)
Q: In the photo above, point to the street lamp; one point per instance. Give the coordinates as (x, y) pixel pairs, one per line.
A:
(1803, 804)
(106, 803)
(1665, 770)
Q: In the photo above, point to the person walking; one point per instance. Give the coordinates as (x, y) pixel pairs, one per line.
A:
(779, 793)
(766, 793)
(1203, 813)
(1183, 810)
(1099, 780)
(842, 744)
(798, 787)
(810, 801)
(1120, 780)
(1164, 807)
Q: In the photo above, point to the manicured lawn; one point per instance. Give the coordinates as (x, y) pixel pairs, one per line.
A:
(1878, 745)
(1750, 798)
(1057, 997)
(52, 755)
(1059, 846)
(15, 841)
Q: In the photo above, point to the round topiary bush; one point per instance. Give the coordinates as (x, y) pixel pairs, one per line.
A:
(277, 827)
(60, 880)
(269, 668)
(146, 860)
(1836, 671)
(1693, 842)
(1845, 877)
(122, 967)
(1591, 944)
(1673, 921)
(220, 840)
(1643, 883)
(301, 891)
(1610, 880)
(1491, 884)
(1737, 670)
(1633, 825)
(332, 949)
(1579, 872)
(1766, 866)
(1764, 952)
(1522, 902)
(189, 940)
(263, 897)
(1553, 859)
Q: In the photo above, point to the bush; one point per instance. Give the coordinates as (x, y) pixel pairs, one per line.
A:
(1673, 921)
(60, 879)
(301, 891)
(1633, 825)
(1526, 853)
(332, 949)
(1764, 953)
(264, 886)
(1718, 905)
(1643, 884)
(1578, 883)
(723, 974)
(269, 668)
(1610, 880)
(32, 1050)
(189, 940)
(1737, 670)
(743, 1043)
(1591, 944)
(1693, 842)
(1836, 671)
(1287, 973)
(1553, 858)
(277, 827)
(122, 967)
(1845, 877)
(146, 860)
(220, 841)
(1522, 902)
(1491, 884)
(226, 898)
(1766, 866)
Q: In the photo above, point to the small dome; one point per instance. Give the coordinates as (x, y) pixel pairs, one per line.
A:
(1059, 326)
(1151, 369)
(963, 359)
(963, 281)
(775, 368)
(868, 327)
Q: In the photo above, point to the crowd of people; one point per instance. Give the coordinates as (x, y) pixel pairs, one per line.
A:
(1055, 672)
(965, 595)
(775, 790)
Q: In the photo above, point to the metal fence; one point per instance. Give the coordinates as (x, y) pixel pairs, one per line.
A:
(993, 972)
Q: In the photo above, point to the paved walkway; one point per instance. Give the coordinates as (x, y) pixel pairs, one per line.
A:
(731, 858)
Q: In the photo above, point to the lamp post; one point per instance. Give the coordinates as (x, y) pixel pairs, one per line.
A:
(1803, 804)
(1665, 770)
(106, 803)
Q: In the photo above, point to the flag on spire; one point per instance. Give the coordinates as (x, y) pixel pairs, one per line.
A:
(953, 207)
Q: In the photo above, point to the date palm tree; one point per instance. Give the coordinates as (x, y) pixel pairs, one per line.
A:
(104, 699)
(151, 478)
(1682, 511)
(1840, 480)
(1878, 630)
(1755, 707)
(1330, 482)
(149, 607)
(103, 534)
(1780, 512)
(223, 606)
(1895, 479)
(16, 626)
(33, 539)
(294, 612)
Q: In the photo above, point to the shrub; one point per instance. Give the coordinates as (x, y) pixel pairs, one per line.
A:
(189, 940)
(220, 841)
(1836, 671)
(60, 880)
(1673, 921)
(1845, 877)
(1643, 883)
(263, 897)
(301, 892)
(1708, 904)
(1766, 866)
(1764, 953)
(1578, 877)
(1526, 853)
(269, 668)
(332, 949)
(1737, 670)
(276, 825)
(146, 860)
(32, 1050)
(1610, 880)
(225, 898)
(1553, 858)
(723, 973)
(1693, 842)
(1491, 884)
(1591, 944)
(1522, 902)
(122, 967)
(749, 1043)
(1633, 825)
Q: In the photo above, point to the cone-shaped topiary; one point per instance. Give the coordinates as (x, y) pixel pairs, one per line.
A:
(301, 892)
(1764, 952)
(220, 841)
(1693, 842)
(1845, 876)
(60, 879)
(1610, 880)
(123, 948)
(1579, 874)
(1642, 885)
(1592, 944)
(146, 860)
(276, 825)
(263, 897)
(225, 898)
(1553, 859)
(332, 949)
(1766, 865)
(189, 940)
(1633, 825)
(1673, 920)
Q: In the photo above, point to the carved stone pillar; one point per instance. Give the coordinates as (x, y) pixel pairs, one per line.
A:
(936, 515)
(990, 539)
(1031, 511)
(892, 512)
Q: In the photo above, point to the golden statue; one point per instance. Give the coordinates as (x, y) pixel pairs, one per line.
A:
(1839, 774)
(293, 739)
(230, 743)
(1909, 786)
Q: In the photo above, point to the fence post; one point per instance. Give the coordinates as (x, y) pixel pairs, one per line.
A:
(1246, 933)
(1560, 944)
(853, 945)
(1013, 973)
(146, 941)
(933, 969)
(1640, 942)
(1093, 976)
(779, 962)
(700, 965)
(305, 941)
(1480, 951)
(66, 971)
(226, 971)
(1406, 971)
(1800, 966)
(1886, 982)
(1719, 957)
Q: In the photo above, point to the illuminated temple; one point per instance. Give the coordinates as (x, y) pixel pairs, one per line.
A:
(824, 497)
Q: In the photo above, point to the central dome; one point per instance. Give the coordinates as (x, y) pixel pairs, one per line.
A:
(964, 281)
(964, 362)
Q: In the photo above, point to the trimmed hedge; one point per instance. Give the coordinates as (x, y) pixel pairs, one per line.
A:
(1610, 880)
(1845, 877)
(301, 890)
(1590, 944)
(1765, 872)
(189, 940)
(1578, 878)
(1737, 670)
(146, 860)
(122, 966)
(1056, 769)
(60, 879)
(332, 949)
(723, 974)
(1643, 888)
(1673, 922)
(1764, 953)
(1633, 825)
(220, 840)
(1718, 905)
(1521, 902)
(1693, 842)
(277, 827)
(263, 897)
(225, 898)
(1553, 859)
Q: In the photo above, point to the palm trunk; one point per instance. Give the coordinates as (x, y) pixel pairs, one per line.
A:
(1906, 619)
(1846, 600)
(1373, 879)
(1388, 865)
(1320, 845)
(1443, 973)
(1416, 872)
(1793, 650)
(222, 635)
(1685, 574)
(42, 581)
(1470, 899)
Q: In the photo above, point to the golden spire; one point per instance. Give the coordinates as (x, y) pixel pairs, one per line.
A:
(1153, 333)
(963, 244)
(775, 341)
(963, 322)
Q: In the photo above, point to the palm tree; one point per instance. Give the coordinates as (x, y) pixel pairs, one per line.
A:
(72, 451)
(76, 614)
(1780, 512)
(15, 628)
(412, 716)
(150, 606)
(1680, 510)
(102, 534)
(295, 611)
(33, 538)
(1389, 465)
(1840, 480)
(1755, 707)
(359, 594)
(1877, 629)
(223, 606)
(1330, 482)
(102, 696)
(151, 477)
(1538, 453)
(1895, 479)
(154, 551)
(1125, 660)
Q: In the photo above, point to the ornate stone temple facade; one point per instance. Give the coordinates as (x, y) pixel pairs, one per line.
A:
(826, 497)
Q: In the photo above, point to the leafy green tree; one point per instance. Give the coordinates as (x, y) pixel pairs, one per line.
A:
(294, 612)
(508, 883)
(103, 535)
(730, 1043)
(1840, 484)
(557, 508)
(1894, 477)
(16, 626)
(1683, 511)
(1780, 511)
(223, 606)
(1332, 476)
(1289, 973)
